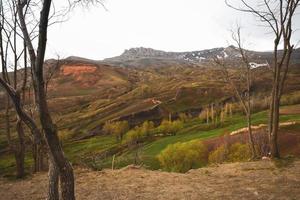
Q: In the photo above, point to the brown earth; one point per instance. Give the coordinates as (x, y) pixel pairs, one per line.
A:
(291, 110)
(251, 180)
(77, 69)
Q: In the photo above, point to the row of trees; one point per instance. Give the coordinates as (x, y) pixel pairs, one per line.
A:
(121, 130)
(213, 114)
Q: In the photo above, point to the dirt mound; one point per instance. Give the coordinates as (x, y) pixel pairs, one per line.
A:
(252, 180)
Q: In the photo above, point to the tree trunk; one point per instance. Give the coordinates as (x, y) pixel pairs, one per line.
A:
(250, 135)
(212, 113)
(271, 113)
(38, 156)
(50, 129)
(53, 180)
(207, 115)
(274, 132)
(64, 167)
(20, 150)
(7, 122)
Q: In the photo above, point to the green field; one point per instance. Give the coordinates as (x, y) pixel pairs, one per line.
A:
(85, 152)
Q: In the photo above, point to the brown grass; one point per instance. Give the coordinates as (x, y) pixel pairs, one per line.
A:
(252, 180)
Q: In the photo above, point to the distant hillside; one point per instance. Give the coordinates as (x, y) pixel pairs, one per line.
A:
(145, 57)
(144, 84)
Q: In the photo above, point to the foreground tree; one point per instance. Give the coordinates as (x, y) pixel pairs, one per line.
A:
(279, 16)
(50, 130)
(243, 95)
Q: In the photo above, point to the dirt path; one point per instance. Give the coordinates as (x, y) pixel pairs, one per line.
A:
(255, 180)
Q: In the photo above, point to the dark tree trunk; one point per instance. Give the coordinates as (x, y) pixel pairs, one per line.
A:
(38, 153)
(53, 180)
(20, 150)
(7, 122)
(250, 135)
(49, 128)
(274, 133)
(64, 167)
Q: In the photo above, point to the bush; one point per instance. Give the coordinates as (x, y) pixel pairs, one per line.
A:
(184, 117)
(219, 155)
(147, 127)
(170, 128)
(181, 157)
(134, 136)
(239, 152)
(236, 152)
(118, 129)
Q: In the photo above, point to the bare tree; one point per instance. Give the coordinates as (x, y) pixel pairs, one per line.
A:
(243, 95)
(59, 165)
(278, 16)
(9, 47)
(50, 129)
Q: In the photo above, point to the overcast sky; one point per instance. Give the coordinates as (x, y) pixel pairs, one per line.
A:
(170, 25)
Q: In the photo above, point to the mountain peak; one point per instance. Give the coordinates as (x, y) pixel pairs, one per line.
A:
(140, 52)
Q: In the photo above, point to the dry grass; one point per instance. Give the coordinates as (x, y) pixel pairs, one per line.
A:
(252, 180)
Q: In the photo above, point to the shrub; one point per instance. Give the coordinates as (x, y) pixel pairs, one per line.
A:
(134, 136)
(170, 128)
(239, 152)
(147, 127)
(180, 157)
(118, 129)
(219, 155)
(236, 152)
(184, 117)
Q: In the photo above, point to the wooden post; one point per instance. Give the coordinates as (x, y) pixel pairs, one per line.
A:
(113, 162)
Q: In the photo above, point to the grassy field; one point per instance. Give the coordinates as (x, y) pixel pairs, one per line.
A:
(85, 151)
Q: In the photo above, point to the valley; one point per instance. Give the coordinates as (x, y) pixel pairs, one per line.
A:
(84, 94)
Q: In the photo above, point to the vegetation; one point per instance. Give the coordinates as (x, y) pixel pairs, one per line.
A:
(236, 152)
(117, 129)
(170, 128)
(183, 156)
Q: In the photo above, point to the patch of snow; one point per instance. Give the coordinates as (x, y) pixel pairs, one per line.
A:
(254, 65)
(225, 54)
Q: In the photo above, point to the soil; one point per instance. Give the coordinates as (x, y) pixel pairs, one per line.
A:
(250, 180)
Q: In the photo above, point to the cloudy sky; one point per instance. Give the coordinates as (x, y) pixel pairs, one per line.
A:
(170, 25)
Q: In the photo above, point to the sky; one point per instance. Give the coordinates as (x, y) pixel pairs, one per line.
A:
(169, 25)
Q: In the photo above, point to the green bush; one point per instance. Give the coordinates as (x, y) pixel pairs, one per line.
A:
(118, 129)
(181, 157)
(236, 152)
(170, 128)
(134, 136)
(147, 128)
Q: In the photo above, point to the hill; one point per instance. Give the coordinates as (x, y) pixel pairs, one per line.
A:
(84, 94)
(148, 57)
